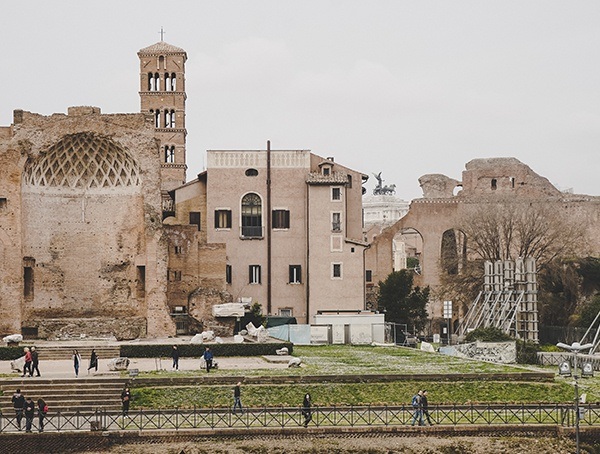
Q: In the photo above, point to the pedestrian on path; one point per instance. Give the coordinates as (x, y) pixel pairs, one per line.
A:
(208, 359)
(27, 366)
(125, 399)
(175, 356)
(306, 410)
(76, 362)
(93, 361)
(18, 401)
(35, 361)
(237, 398)
(42, 411)
(29, 410)
(418, 410)
(425, 408)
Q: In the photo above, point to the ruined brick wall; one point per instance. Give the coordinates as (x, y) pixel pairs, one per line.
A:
(486, 183)
(85, 219)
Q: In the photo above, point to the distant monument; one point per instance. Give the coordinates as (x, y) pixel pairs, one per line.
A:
(380, 189)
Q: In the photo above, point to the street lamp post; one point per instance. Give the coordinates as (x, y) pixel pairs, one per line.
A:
(575, 348)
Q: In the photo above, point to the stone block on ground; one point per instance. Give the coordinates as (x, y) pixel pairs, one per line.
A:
(118, 363)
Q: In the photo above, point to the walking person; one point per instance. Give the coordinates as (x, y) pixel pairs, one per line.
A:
(418, 411)
(425, 408)
(237, 398)
(18, 401)
(42, 411)
(76, 362)
(208, 359)
(306, 410)
(29, 410)
(93, 361)
(175, 356)
(27, 366)
(125, 399)
(35, 361)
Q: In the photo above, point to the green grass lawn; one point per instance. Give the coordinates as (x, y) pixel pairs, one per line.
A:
(336, 360)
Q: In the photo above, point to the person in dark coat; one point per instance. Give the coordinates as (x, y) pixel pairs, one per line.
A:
(29, 410)
(125, 399)
(208, 359)
(42, 410)
(76, 362)
(93, 361)
(35, 362)
(306, 411)
(237, 397)
(425, 408)
(18, 401)
(175, 356)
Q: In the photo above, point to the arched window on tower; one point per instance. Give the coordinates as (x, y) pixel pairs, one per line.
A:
(173, 81)
(156, 118)
(150, 82)
(172, 117)
(156, 82)
(170, 154)
(167, 122)
(168, 82)
(251, 216)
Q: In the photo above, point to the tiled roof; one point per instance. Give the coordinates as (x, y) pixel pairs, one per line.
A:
(161, 47)
(333, 178)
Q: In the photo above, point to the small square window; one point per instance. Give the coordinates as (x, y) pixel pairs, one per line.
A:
(336, 193)
(3, 203)
(254, 274)
(336, 222)
(336, 271)
(195, 218)
(281, 219)
(369, 275)
(295, 274)
(178, 250)
(222, 219)
(286, 312)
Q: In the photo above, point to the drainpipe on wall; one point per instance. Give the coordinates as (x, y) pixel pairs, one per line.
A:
(308, 253)
(268, 227)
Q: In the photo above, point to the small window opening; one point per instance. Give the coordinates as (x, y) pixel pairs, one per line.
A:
(254, 274)
(170, 154)
(28, 286)
(325, 171)
(512, 182)
(140, 282)
(228, 271)
(494, 184)
(178, 250)
(195, 218)
(369, 275)
(3, 203)
(295, 273)
(251, 172)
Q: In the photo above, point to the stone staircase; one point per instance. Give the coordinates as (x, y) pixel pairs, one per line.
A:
(65, 352)
(66, 395)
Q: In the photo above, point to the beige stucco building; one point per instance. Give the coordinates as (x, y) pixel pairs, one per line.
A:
(292, 225)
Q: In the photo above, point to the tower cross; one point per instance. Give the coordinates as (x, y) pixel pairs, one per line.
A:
(162, 33)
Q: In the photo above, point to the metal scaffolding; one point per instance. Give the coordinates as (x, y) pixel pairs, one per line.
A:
(508, 300)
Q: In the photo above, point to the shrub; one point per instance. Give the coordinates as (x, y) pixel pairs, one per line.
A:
(196, 350)
(490, 334)
(10, 353)
(527, 352)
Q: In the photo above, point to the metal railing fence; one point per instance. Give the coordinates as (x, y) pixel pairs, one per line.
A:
(286, 417)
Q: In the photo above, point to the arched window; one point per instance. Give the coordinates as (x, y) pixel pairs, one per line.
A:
(172, 118)
(170, 154)
(167, 118)
(156, 118)
(150, 82)
(173, 82)
(156, 82)
(251, 216)
(168, 82)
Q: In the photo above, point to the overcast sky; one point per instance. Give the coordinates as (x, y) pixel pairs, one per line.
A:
(402, 87)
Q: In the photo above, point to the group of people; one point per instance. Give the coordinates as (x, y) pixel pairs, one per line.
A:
(93, 364)
(207, 356)
(24, 406)
(32, 362)
(421, 408)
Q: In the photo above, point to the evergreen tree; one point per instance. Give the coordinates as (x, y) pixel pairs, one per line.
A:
(401, 302)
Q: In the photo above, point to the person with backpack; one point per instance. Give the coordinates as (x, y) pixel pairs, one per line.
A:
(418, 410)
(42, 411)
(18, 401)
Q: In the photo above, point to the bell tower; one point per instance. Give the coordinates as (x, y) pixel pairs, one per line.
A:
(162, 94)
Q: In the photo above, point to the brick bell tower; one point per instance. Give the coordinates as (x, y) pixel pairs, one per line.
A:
(162, 94)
